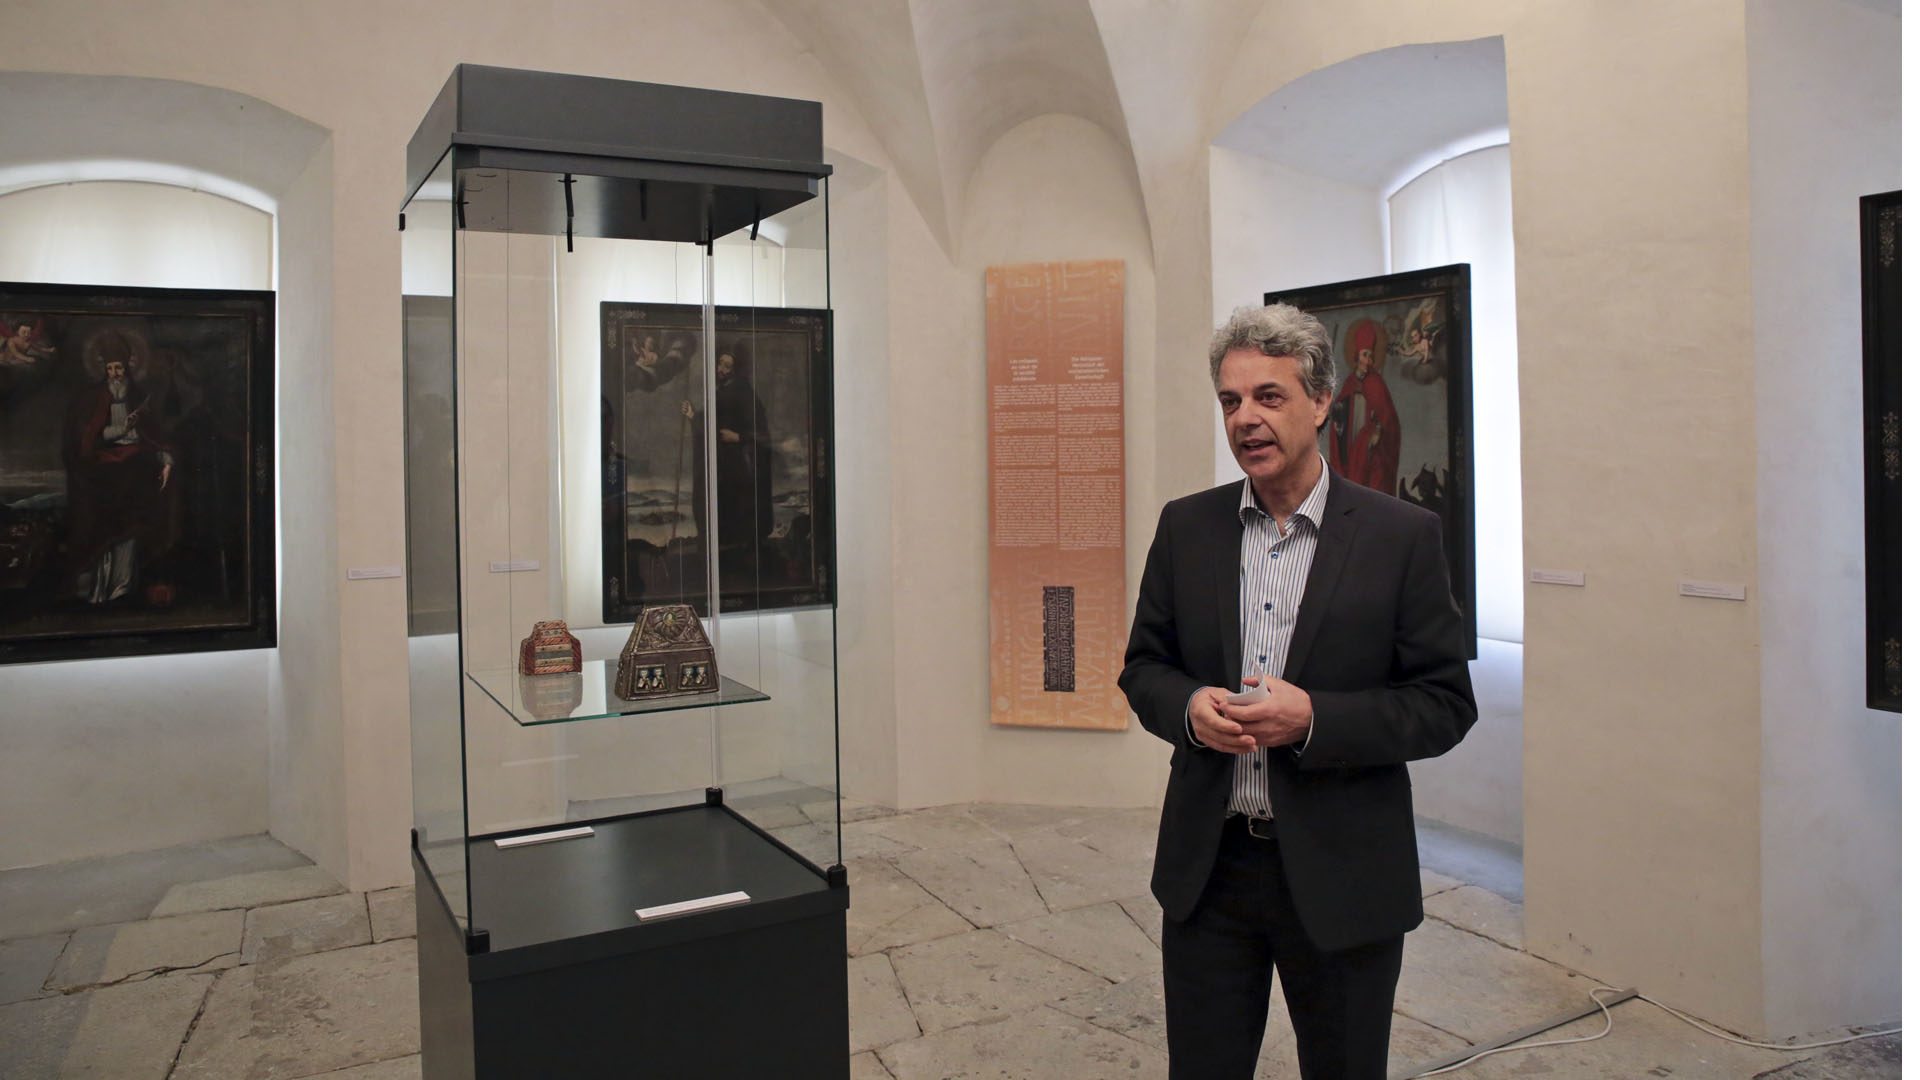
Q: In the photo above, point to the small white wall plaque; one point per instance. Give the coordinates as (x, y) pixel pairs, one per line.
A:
(369, 573)
(1714, 590)
(544, 837)
(513, 566)
(1576, 578)
(685, 907)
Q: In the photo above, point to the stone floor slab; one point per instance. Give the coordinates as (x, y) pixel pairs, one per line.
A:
(122, 888)
(823, 846)
(405, 1068)
(889, 909)
(867, 1067)
(133, 1031)
(207, 941)
(1071, 874)
(1012, 820)
(1101, 939)
(26, 964)
(1136, 1008)
(985, 883)
(1644, 1042)
(248, 890)
(1869, 1059)
(940, 828)
(1146, 914)
(306, 926)
(1474, 909)
(1038, 1044)
(1433, 882)
(1472, 987)
(391, 912)
(313, 1013)
(848, 810)
(35, 1035)
(981, 975)
(877, 1010)
(1123, 834)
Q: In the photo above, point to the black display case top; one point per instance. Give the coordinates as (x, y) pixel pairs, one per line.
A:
(542, 152)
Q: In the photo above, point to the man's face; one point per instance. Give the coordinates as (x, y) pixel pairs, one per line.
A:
(116, 371)
(1272, 425)
(1363, 361)
(724, 365)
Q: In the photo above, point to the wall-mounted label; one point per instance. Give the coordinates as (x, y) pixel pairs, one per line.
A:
(369, 573)
(1559, 577)
(513, 566)
(1713, 590)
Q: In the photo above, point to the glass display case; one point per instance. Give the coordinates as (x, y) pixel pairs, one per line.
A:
(621, 580)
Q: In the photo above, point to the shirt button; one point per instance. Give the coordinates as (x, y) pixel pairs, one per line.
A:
(1274, 555)
(1269, 607)
(1263, 659)
(1256, 764)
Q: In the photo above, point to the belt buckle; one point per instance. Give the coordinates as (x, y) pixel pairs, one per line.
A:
(1260, 828)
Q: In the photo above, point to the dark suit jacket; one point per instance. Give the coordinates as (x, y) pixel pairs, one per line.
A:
(1381, 650)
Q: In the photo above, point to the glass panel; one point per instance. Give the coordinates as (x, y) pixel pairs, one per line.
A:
(774, 363)
(433, 543)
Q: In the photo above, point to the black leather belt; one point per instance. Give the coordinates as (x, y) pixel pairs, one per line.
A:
(1258, 827)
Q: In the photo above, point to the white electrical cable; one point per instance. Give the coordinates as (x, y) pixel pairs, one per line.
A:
(1604, 1032)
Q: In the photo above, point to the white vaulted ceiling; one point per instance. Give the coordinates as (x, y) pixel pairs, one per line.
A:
(1368, 120)
(942, 80)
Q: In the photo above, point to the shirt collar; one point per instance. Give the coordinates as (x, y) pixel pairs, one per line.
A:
(1313, 508)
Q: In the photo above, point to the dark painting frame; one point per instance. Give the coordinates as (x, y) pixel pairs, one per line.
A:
(1880, 415)
(1421, 320)
(789, 377)
(149, 537)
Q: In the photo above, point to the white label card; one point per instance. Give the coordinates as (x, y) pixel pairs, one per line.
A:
(1713, 590)
(544, 837)
(369, 573)
(1559, 577)
(513, 566)
(687, 907)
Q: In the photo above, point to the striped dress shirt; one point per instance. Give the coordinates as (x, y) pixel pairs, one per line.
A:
(1274, 560)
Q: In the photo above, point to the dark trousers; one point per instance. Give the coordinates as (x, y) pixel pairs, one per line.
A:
(1219, 967)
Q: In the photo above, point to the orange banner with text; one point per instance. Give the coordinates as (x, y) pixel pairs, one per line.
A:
(1057, 509)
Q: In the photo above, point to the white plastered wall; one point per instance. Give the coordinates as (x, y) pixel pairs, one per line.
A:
(188, 756)
(1052, 188)
(338, 772)
(1825, 127)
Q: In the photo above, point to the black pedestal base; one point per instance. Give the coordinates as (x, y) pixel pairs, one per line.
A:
(757, 990)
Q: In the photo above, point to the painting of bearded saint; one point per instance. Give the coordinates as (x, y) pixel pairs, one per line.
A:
(135, 487)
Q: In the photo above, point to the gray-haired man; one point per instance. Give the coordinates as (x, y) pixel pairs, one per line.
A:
(1286, 839)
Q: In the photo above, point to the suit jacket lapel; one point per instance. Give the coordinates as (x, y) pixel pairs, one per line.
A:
(1329, 555)
(1223, 542)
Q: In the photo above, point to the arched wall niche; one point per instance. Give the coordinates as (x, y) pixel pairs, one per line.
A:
(1299, 186)
(109, 756)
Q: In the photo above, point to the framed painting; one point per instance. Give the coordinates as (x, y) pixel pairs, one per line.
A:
(1880, 379)
(1402, 421)
(136, 471)
(773, 506)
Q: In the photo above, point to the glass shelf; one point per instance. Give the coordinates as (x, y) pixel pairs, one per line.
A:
(588, 695)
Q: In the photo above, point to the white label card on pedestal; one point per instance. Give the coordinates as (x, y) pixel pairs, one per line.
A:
(544, 837)
(1559, 577)
(369, 573)
(513, 566)
(685, 907)
(1713, 590)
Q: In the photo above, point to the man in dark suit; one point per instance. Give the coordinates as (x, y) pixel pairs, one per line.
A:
(1286, 840)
